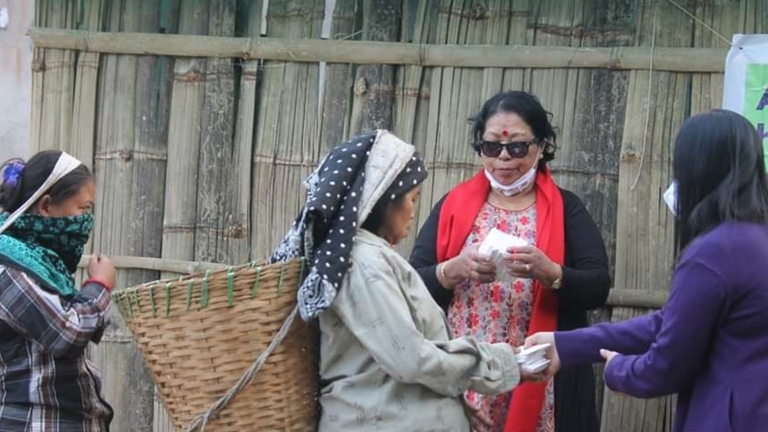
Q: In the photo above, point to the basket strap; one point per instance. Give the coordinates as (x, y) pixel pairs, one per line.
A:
(201, 420)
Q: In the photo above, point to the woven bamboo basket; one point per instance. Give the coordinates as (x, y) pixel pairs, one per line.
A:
(199, 334)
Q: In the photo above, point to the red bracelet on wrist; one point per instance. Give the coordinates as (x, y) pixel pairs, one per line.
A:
(97, 281)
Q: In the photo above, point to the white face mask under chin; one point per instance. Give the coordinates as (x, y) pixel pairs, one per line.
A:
(519, 185)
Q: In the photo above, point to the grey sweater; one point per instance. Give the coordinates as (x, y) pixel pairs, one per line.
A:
(387, 362)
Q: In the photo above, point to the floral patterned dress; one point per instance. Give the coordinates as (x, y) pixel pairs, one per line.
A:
(499, 312)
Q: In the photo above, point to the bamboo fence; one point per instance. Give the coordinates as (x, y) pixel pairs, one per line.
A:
(201, 123)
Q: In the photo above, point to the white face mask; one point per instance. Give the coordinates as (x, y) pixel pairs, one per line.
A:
(519, 185)
(670, 197)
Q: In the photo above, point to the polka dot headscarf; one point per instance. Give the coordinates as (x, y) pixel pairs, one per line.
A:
(413, 175)
(325, 230)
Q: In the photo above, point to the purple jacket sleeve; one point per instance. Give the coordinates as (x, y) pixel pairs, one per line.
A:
(692, 313)
(660, 353)
(633, 336)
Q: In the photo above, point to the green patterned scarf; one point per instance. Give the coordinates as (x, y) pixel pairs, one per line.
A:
(47, 248)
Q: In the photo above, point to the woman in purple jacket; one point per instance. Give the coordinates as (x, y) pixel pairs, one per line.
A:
(709, 343)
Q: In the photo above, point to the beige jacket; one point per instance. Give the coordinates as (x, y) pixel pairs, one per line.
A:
(387, 363)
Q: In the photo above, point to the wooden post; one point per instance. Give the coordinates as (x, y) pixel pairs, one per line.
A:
(130, 161)
(410, 98)
(184, 140)
(185, 118)
(288, 127)
(221, 230)
(83, 140)
(374, 84)
(53, 80)
(412, 102)
(656, 106)
(337, 88)
(240, 188)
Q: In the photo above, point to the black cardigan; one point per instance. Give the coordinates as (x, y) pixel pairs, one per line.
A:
(585, 284)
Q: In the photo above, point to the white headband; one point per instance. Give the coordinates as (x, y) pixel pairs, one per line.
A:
(65, 165)
(389, 155)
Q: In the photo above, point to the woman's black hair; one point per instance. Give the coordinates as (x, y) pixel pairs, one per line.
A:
(528, 107)
(34, 174)
(720, 172)
(378, 215)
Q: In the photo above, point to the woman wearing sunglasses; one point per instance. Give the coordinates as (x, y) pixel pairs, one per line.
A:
(555, 280)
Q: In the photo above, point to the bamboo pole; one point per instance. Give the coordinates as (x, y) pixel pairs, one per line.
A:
(337, 88)
(374, 83)
(408, 92)
(287, 141)
(184, 140)
(394, 53)
(239, 188)
(157, 264)
(153, 105)
(53, 80)
(618, 297)
(130, 164)
(38, 84)
(412, 99)
(412, 103)
(436, 185)
(657, 104)
(221, 228)
(83, 141)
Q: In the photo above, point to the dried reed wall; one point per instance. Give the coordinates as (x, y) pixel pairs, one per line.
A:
(199, 156)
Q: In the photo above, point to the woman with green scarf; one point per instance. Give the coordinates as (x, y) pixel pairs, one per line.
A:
(46, 380)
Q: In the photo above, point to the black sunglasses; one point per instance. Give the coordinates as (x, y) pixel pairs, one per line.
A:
(515, 149)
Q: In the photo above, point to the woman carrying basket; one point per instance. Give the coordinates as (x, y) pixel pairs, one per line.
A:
(387, 361)
(46, 381)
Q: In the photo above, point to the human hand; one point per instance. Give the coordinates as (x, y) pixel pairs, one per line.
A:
(470, 264)
(608, 355)
(551, 353)
(529, 262)
(526, 376)
(101, 269)
(478, 419)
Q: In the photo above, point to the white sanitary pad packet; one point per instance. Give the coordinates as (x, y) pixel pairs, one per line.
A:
(495, 246)
(532, 359)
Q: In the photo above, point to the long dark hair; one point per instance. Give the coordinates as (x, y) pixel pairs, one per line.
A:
(528, 107)
(720, 172)
(34, 174)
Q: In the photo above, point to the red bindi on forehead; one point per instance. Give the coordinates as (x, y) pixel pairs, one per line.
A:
(505, 133)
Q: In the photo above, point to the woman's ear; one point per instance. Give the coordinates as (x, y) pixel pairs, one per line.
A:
(43, 206)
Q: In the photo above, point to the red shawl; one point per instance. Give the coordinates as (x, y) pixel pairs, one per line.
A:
(457, 217)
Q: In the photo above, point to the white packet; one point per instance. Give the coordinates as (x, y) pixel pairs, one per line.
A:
(532, 359)
(495, 246)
